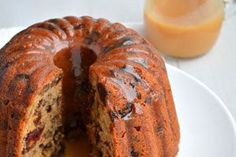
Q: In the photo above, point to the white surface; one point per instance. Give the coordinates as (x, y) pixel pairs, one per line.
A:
(207, 128)
(25, 12)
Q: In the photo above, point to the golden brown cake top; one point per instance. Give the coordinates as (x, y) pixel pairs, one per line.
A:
(124, 61)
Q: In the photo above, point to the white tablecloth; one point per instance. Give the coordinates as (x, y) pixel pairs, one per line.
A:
(216, 69)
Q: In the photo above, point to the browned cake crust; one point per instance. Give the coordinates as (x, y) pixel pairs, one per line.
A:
(105, 60)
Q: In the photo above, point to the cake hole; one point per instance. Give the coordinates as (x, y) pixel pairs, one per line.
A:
(77, 96)
(75, 63)
(79, 146)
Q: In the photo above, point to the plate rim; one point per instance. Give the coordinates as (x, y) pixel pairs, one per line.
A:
(221, 103)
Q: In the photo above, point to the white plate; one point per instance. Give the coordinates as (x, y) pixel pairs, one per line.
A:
(207, 127)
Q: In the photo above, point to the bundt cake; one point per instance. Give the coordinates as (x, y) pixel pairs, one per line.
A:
(63, 74)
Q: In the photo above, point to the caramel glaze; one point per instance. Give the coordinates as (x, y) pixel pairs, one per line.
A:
(132, 82)
(77, 91)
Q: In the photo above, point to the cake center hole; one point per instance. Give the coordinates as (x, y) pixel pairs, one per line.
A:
(77, 93)
(79, 147)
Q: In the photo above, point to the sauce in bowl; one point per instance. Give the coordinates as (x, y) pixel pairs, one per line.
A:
(183, 28)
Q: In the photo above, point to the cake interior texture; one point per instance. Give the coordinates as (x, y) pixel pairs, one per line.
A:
(44, 129)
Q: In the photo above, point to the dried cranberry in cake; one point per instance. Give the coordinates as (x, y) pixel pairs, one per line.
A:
(31, 139)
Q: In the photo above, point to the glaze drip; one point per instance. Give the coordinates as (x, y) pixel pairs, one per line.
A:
(78, 95)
